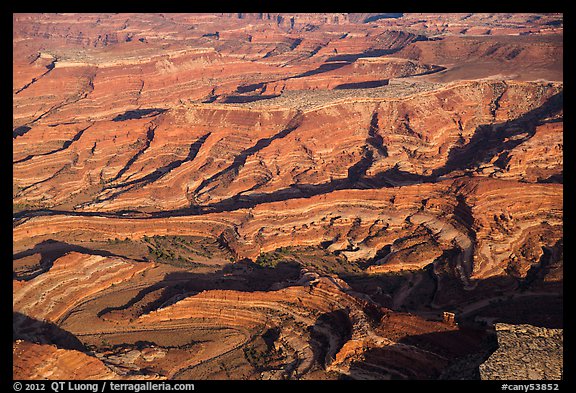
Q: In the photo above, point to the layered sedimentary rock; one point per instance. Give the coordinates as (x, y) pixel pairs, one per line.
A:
(519, 56)
(486, 234)
(404, 347)
(509, 228)
(314, 325)
(363, 73)
(538, 159)
(303, 328)
(468, 23)
(282, 196)
(36, 361)
(203, 156)
(71, 280)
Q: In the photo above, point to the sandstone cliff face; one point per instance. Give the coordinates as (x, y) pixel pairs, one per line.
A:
(34, 362)
(354, 334)
(71, 280)
(483, 55)
(491, 232)
(281, 196)
(234, 153)
(489, 237)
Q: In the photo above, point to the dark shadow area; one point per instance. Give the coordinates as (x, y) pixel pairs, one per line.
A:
(538, 310)
(394, 362)
(295, 43)
(64, 146)
(283, 48)
(231, 171)
(449, 354)
(374, 138)
(158, 173)
(379, 287)
(244, 275)
(357, 171)
(246, 99)
(49, 67)
(551, 259)
(450, 343)
(132, 160)
(50, 250)
(463, 213)
(356, 180)
(316, 49)
(556, 178)
(362, 85)
(555, 23)
(434, 70)
(381, 253)
(387, 15)
(19, 131)
(355, 175)
(212, 35)
(534, 299)
(369, 53)
(42, 332)
(454, 353)
(489, 140)
(500, 299)
(210, 99)
(325, 67)
(249, 88)
(270, 336)
(338, 323)
(54, 212)
(139, 114)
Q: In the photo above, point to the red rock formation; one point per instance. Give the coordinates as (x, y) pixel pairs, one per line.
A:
(72, 279)
(291, 309)
(246, 152)
(412, 161)
(34, 361)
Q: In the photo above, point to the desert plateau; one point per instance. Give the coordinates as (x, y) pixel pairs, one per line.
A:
(270, 196)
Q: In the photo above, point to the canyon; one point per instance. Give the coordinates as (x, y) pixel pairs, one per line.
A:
(285, 196)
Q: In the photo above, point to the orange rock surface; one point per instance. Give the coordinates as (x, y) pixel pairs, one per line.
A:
(34, 361)
(282, 196)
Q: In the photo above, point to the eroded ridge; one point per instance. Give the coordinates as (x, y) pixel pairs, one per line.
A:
(284, 196)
